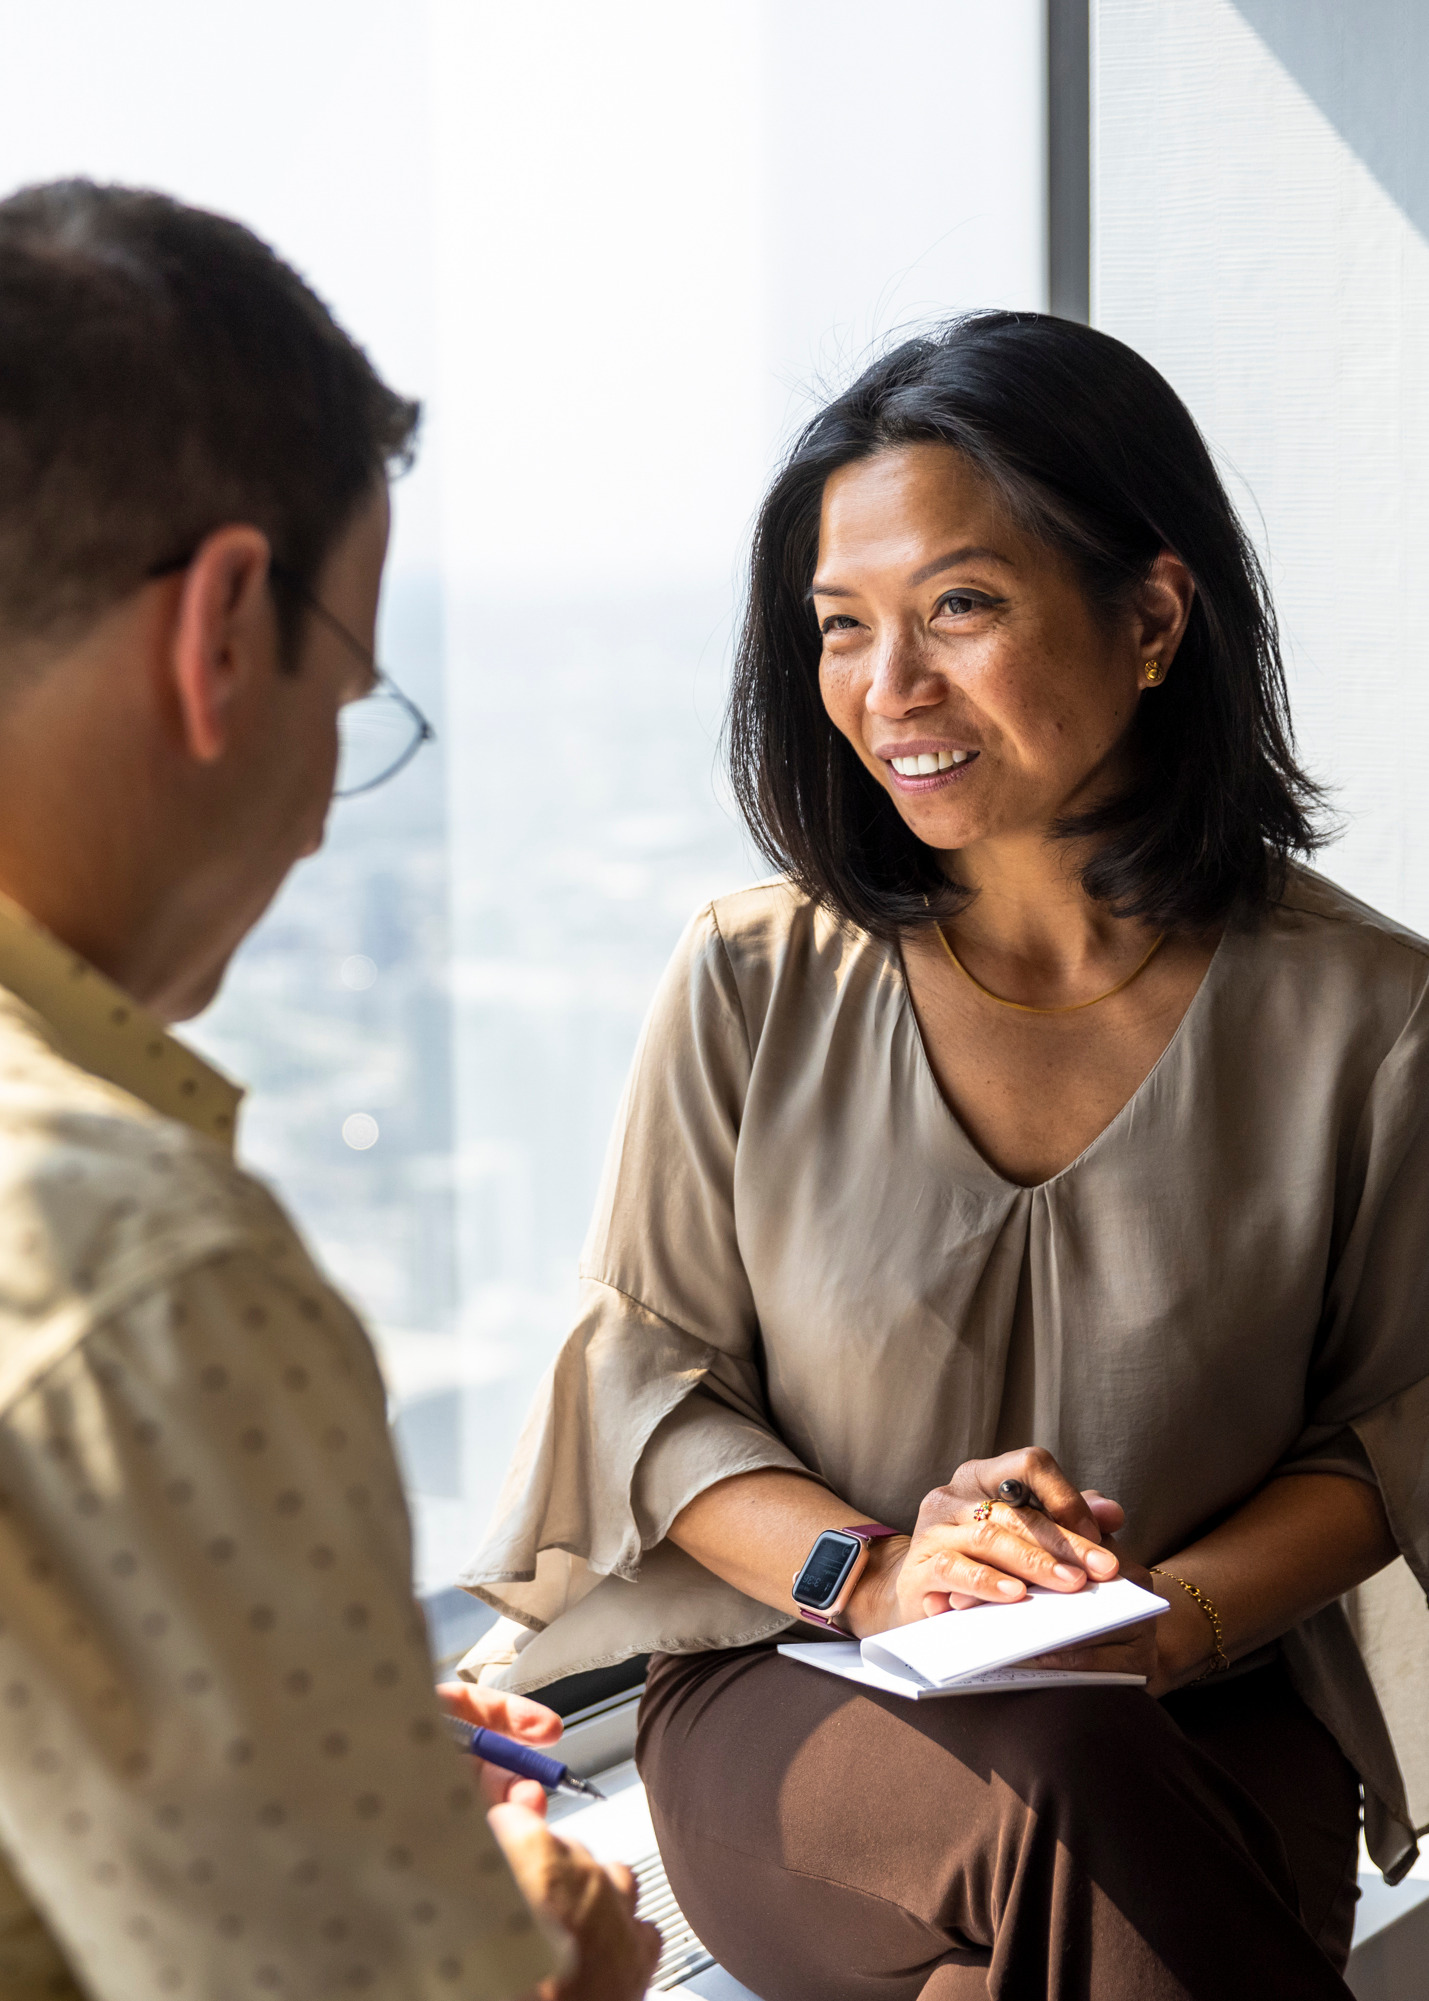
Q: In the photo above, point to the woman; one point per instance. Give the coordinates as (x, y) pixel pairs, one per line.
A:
(1042, 1121)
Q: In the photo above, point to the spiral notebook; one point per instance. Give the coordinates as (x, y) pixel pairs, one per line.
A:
(978, 1652)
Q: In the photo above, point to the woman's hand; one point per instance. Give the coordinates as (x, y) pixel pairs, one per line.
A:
(1170, 1651)
(1133, 1650)
(954, 1560)
(514, 1716)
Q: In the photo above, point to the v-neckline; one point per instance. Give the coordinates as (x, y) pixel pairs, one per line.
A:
(1198, 1003)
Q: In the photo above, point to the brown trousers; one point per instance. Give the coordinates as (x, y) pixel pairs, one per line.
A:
(832, 1844)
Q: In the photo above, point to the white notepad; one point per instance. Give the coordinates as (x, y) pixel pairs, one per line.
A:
(977, 1651)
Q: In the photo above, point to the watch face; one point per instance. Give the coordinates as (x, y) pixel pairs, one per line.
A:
(825, 1570)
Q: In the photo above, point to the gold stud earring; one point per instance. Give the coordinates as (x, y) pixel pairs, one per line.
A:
(1153, 671)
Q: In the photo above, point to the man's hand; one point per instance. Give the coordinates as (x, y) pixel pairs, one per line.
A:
(514, 1716)
(615, 1951)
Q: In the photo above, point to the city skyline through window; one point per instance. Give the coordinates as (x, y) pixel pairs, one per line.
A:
(618, 253)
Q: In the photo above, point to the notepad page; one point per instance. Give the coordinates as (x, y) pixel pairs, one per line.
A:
(954, 1646)
(830, 1657)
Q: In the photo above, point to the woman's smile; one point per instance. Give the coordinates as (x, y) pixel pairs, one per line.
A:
(954, 643)
(922, 767)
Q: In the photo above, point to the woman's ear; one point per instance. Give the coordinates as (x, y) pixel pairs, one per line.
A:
(1162, 607)
(224, 636)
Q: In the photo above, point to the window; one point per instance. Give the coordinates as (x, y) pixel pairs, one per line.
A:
(617, 250)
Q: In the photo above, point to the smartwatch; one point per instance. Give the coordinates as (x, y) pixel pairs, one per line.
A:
(831, 1570)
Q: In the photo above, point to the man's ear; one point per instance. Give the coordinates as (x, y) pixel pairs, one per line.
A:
(223, 635)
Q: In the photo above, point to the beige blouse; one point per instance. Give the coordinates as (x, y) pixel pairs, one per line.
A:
(799, 1259)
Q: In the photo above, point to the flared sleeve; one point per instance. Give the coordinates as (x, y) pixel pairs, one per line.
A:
(1370, 1379)
(656, 1393)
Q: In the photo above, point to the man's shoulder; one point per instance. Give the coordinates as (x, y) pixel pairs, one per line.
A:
(101, 1197)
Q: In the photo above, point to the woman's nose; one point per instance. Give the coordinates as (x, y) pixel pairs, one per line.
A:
(902, 680)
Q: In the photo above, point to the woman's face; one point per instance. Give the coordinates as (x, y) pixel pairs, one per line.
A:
(962, 659)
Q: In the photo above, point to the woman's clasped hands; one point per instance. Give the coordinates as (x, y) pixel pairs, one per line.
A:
(969, 1548)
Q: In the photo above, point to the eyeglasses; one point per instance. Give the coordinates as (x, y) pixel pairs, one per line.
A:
(380, 733)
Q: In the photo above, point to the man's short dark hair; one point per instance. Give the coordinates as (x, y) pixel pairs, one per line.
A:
(1094, 453)
(164, 373)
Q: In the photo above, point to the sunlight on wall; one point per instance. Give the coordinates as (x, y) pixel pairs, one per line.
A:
(1279, 283)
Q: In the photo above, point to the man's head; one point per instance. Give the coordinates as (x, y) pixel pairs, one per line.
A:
(178, 412)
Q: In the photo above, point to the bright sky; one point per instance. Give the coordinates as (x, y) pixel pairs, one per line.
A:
(613, 246)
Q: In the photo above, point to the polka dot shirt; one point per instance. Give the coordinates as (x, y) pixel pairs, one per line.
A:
(222, 1766)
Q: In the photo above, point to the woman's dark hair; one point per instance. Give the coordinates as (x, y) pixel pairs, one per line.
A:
(163, 372)
(1093, 453)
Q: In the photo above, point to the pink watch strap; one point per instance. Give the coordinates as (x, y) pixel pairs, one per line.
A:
(866, 1532)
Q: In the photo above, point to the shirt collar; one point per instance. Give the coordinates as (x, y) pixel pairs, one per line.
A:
(108, 1033)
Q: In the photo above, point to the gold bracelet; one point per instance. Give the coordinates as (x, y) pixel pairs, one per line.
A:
(1219, 1660)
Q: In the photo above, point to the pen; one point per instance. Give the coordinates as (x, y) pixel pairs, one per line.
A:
(1018, 1495)
(521, 1759)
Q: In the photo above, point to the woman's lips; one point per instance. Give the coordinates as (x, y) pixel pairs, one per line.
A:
(955, 767)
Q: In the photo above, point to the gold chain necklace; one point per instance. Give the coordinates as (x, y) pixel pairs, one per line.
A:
(1075, 1007)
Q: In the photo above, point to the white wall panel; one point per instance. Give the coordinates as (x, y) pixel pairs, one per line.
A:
(1257, 169)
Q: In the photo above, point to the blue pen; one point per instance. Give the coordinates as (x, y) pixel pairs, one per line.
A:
(521, 1759)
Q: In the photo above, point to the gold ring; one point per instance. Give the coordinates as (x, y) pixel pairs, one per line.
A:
(982, 1511)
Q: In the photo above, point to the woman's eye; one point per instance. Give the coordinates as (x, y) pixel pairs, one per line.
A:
(957, 604)
(838, 621)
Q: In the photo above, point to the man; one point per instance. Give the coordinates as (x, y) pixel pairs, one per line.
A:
(223, 1769)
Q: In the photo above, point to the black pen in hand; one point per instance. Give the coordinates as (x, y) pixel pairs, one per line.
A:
(1018, 1494)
